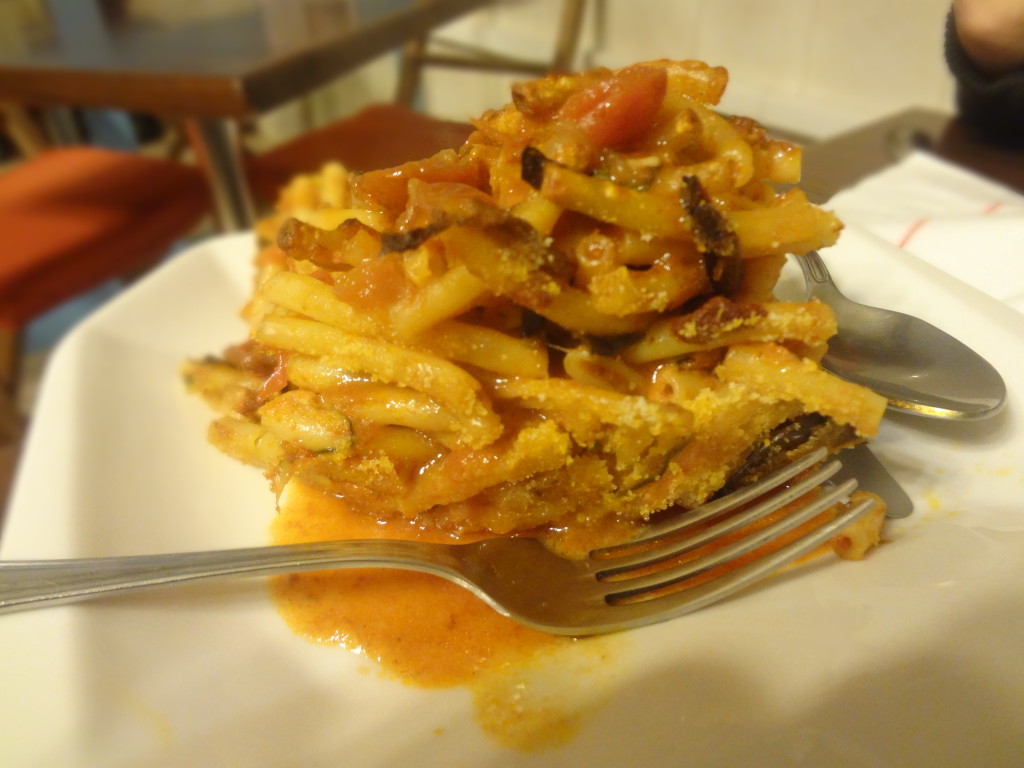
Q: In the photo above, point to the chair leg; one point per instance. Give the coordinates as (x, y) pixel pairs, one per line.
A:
(177, 140)
(416, 55)
(10, 374)
(411, 72)
(10, 357)
(12, 434)
(23, 130)
(568, 38)
(12, 423)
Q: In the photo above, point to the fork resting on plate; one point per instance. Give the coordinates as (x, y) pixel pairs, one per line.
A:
(644, 581)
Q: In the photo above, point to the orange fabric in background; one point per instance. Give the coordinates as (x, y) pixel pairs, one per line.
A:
(72, 218)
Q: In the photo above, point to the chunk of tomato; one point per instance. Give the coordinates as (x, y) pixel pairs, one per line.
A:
(613, 111)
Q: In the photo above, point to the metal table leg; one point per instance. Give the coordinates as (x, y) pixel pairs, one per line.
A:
(218, 151)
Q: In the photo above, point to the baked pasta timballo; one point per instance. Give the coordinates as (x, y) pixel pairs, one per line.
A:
(565, 324)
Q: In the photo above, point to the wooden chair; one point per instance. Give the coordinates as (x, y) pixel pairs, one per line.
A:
(73, 218)
(383, 135)
(23, 131)
(436, 51)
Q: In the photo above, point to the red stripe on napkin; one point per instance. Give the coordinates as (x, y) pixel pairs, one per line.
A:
(911, 231)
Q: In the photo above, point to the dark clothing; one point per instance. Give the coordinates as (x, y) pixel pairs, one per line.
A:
(993, 107)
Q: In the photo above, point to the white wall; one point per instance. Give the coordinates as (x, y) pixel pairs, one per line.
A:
(811, 66)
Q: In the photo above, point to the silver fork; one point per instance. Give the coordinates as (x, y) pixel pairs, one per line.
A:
(614, 588)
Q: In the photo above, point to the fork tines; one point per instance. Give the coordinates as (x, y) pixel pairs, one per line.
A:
(697, 558)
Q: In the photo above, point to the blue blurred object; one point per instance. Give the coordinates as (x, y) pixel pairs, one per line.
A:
(82, 25)
(43, 333)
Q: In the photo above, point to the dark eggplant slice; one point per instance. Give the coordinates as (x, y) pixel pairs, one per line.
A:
(533, 161)
(788, 442)
(714, 237)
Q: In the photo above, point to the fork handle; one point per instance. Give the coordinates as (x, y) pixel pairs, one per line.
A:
(35, 583)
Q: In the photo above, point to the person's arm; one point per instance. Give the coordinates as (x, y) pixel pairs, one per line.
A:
(985, 52)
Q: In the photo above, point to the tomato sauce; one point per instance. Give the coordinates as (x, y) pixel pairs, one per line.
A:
(428, 632)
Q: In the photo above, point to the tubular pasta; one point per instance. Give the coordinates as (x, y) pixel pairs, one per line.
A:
(563, 327)
(382, 361)
(305, 295)
(811, 323)
(490, 349)
(449, 295)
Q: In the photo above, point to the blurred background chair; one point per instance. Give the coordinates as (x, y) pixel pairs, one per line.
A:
(74, 218)
(17, 125)
(437, 51)
(387, 134)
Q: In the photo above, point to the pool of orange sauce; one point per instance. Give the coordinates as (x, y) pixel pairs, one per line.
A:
(428, 632)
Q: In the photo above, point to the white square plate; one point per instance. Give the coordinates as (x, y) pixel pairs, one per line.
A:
(911, 657)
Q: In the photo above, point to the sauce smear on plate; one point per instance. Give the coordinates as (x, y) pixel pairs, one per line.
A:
(431, 633)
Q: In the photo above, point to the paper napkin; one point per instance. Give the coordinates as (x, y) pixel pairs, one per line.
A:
(962, 223)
